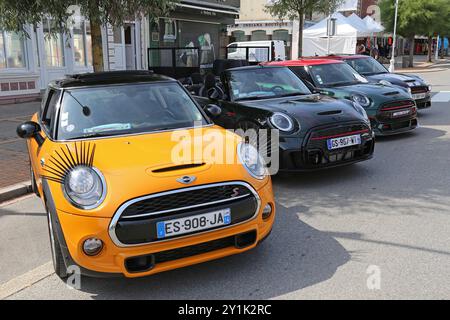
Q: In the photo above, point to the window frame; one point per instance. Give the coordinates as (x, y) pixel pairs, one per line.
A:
(24, 47)
(47, 23)
(50, 130)
(83, 29)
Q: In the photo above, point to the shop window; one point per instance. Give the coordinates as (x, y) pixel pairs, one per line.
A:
(54, 46)
(239, 36)
(281, 35)
(259, 35)
(12, 50)
(170, 30)
(82, 49)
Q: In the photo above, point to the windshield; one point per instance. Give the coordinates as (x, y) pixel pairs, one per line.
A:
(264, 83)
(335, 74)
(124, 109)
(367, 66)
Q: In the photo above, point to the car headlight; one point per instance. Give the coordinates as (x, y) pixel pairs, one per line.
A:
(252, 160)
(85, 187)
(385, 83)
(361, 110)
(282, 122)
(430, 87)
(361, 99)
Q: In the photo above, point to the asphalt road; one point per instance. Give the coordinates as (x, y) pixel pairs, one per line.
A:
(336, 231)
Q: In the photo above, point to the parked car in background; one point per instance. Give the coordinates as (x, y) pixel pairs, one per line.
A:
(375, 72)
(316, 131)
(257, 51)
(391, 110)
(117, 203)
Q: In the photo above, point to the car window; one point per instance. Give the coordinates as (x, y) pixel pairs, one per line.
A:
(335, 74)
(48, 116)
(125, 109)
(301, 73)
(258, 83)
(366, 66)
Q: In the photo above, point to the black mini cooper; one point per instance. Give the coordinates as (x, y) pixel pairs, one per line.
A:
(315, 131)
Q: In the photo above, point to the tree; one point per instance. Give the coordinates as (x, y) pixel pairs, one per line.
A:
(415, 17)
(16, 14)
(296, 10)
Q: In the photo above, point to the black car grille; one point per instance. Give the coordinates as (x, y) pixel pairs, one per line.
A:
(419, 89)
(148, 262)
(137, 222)
(388, 111)
(316, 153)
(180, 199)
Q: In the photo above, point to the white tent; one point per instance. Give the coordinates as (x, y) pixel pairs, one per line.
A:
(315, 40)
(372, 25)
(360, 25)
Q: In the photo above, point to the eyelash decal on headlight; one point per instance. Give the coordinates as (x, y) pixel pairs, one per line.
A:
(65, 160)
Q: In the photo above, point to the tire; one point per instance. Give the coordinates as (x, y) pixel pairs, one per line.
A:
(57, 256)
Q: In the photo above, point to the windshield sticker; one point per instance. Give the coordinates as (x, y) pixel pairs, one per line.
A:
(108, 127)
(70, 128)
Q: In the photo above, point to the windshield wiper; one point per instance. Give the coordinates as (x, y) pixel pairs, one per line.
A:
(97, 134)
(292, 94)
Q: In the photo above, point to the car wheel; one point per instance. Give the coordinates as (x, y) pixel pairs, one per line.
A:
(57, 256)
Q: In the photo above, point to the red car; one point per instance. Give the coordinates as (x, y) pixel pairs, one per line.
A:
(391, 109)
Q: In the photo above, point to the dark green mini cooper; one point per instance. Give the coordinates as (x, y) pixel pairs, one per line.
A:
(391, 110)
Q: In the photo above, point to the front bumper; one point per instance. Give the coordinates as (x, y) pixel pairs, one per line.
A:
(162, 256)
(306, 154)
(423, 103)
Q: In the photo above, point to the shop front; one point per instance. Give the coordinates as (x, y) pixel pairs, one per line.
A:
(194, 35)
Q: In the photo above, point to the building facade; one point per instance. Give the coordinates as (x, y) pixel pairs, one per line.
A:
(28, 64)
(255, 24)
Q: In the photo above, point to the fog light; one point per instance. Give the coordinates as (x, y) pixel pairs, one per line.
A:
(267, 211)
(92, 246)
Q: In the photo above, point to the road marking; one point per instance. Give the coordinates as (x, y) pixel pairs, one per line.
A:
(26, 280)
(442, 96)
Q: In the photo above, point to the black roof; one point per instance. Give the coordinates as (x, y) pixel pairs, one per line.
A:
(108, 77)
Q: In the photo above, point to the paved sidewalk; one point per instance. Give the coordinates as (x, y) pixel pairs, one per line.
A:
(14, 163)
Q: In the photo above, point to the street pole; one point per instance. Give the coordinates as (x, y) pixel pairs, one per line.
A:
(437, 47)
(392, 64)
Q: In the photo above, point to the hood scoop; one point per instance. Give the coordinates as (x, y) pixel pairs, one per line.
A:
(178, 167)
(392, 93)
(329, 113)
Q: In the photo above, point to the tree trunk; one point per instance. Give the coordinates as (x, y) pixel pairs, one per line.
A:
(411, 52)
(430, 48)
(301, 21)
(97, 46)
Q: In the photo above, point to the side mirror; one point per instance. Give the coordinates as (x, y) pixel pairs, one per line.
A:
(30, 129)
(213, 110)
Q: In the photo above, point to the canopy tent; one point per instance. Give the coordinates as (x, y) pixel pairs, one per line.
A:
(315, 40)
(348, 30)
(360, 25)
(372, 25)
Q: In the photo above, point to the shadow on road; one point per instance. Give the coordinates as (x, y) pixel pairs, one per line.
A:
(295, 256)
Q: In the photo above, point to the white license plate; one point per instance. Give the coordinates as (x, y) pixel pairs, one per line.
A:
(343, 142)
(175, 227)
(418, 96)
(401, 113)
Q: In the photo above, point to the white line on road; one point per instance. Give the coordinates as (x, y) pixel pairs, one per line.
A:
(26, 280)
(442, 96)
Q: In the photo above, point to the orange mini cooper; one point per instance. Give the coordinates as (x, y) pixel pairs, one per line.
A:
(103, 151)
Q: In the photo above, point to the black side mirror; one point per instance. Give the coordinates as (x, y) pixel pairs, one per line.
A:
(30, 129)
(213, 110)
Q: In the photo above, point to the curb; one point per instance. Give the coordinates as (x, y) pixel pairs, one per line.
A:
(427, 70)
(15, 191)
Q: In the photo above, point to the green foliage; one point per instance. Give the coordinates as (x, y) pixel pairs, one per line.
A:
(291, 9)
(417, 17)
(15, 14)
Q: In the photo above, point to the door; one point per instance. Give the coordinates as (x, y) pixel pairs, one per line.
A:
(130, 46)
(119, 49)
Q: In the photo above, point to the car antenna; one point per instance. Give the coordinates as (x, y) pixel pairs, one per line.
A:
(86, 109)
